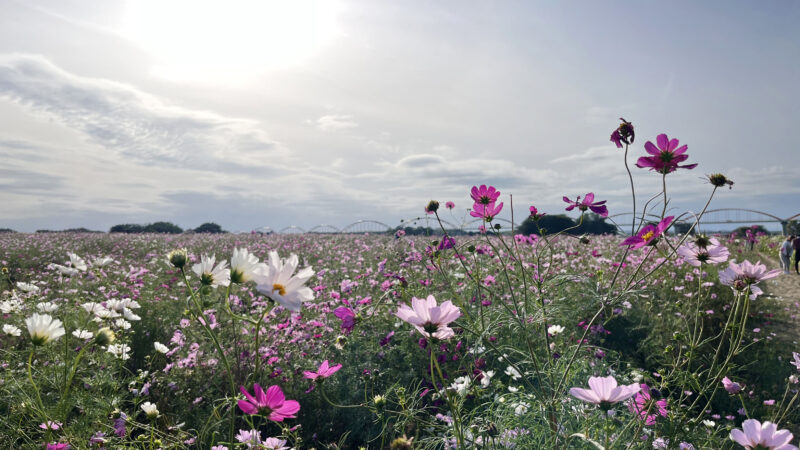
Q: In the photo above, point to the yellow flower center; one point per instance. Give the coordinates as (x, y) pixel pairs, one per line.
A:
(647, 236)
(280, 288)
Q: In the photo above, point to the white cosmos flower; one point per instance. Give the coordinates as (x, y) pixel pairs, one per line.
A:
(461, 385)
(103, 313)
(77, 262)
(210, 275)
(160, 348)
(513, 373)
(122, 324)
(555, 329)
(83, 334)
(44, 328)
(27, 287)
(279, 283)
(119, 350)
(11, 306)
(150, 409)
(245, 266)
(11, 330)
(46, 307)
(68, 271)
(102, 262)
(487, 378)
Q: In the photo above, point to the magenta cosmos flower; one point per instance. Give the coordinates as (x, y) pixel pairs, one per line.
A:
(324, 371)
(271, 402)
(348, 317)
(588, 203)
(486, 212)
(428, 318)
(449, 205)
(741, 276)
(604, 391)
(666, 157)
(484, 195)
(755, 435)
(696, 255)
(623, 134)
(648, 234)
(647, 408)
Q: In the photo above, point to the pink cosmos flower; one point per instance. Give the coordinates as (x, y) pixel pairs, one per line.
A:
(646, 407)
(588, 203)
(58, 446)
(623, 134)
(796, 361)
(324, 371)
(274, 444)
(731, 386)
(273, 402)
(755, 435)
(666, 157)
(535, 213)
(348, 317)
(449, 205)
(695, 255)
(604, 390)
(648, 234)
(486, 212)
(50, 425)
(741, 276)
(428, 318)
(484, 195)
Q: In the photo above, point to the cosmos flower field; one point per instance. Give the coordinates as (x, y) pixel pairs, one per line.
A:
(492, 340)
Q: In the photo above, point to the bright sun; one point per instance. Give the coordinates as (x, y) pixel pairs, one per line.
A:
(226, 41)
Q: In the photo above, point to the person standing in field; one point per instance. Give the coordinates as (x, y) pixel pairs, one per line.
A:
(786, 253)
(796, 247)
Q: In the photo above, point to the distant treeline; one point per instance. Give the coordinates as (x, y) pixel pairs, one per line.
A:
(591, 224)
(165, 227)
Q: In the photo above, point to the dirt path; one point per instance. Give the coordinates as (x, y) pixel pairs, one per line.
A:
(786, 287)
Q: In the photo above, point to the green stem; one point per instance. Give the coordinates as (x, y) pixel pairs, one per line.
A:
(30, 377)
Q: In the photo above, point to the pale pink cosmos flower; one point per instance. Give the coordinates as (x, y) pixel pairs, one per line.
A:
(604, 390)
(731, 386)
(324, 371)
(796, 361)
(695, 255)
(486, 212)
(274, 444)
(272, 402)
(648, 234)
(741, 276)
(755, 435)
(428, 318)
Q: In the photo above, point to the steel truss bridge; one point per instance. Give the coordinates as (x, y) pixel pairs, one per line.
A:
(723, 216)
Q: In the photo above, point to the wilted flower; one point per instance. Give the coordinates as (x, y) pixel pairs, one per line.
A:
(432, 207)
(44, 328)
(731, 386)
(588, 203)
(324, 371)
(211, 275)
(648, 234)
(428, 318)
(273, 403)
(666, 157)
(280, 284)
(623, 134)
(604, 391)
(755, 435)
(720, 180)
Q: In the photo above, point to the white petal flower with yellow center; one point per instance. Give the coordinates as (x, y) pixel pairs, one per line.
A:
(280, 284)
(44, 328)
(245, 266)
(11, 330)
(121, 351)
(77, 262)
(211, 275)
(161, 348)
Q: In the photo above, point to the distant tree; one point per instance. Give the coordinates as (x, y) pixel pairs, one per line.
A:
(209, 227)
(549, 224)
(7, 230)
(793, 227)
(594, 224)
(682, 227)
(127, 228)
(163, 227)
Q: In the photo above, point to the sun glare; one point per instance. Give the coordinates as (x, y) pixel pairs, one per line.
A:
(227, 41)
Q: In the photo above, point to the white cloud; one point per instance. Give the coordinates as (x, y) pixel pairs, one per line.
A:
(336, 122)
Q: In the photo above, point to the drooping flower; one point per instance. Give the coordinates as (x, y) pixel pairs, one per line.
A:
(484, 195)
(535, 213)
(666, 158)
(324, 371)
(648, 234)
(211, 275)
(272, 403)
(348, 317)
(280, 284)
(755, 435)
(428, 318)
(731, 387)
(604, 391)
(446, 243)
(588, 203)
(741, 276)
(646, 407)
(624, 134)
(245, 266)
(695, 255)
(719, 180)
(44, 328)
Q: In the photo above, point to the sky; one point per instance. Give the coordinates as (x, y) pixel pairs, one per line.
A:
(275, 113)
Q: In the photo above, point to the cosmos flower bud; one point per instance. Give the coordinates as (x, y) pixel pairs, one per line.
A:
(379, 401)
(402, 443)
(720, 180)
(104, 336)
(178, 257)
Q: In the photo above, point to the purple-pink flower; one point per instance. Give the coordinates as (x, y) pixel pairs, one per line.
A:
(272, 402)
(58, 446)
(430, 319)
(484, 195)
(731, 387)
(348, 317)
(449, 205)
(604, 390)
(648, 234)
(535, 213)
(623, 134)
(486, 212)
(666, 157)
(588, 203)
(696, 255)
(324, 371)
(646, 407)
(755, 435)
(741, 276)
